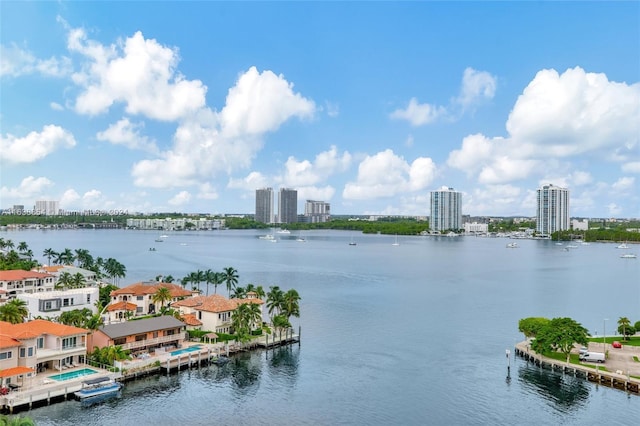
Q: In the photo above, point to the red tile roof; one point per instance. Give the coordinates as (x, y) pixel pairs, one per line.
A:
(190, 319)
(6, 341)
(35, 328)
(21, 274)
(15, 371)
(213, 303)
(142, 289)
(122, 306)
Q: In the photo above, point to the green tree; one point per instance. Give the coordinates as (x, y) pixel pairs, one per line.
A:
(559, 335)
(230, 278)
(78, 280)
(623, 324)
(8, 420)
(84, 258)
(65, 257)
(291, 304)
(49, 253)
(162, 296)
(275, 300)
(530, 326)
(65, 280)
(105, 294)
(14, 311)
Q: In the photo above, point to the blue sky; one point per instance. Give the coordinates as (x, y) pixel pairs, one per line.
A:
(191, 106)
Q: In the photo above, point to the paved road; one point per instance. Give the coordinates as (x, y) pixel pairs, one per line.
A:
(619, 358)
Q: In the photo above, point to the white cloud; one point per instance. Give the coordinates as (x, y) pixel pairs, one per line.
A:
(251, 182)
(476, 86)
(138, 72)
(36, 145)
(126, 133)
(208, 143)
(419, 114)
(614, 210)
(497, 199)
(333, 110)
(579, 178)
(305, 173)
(631, 167)
(69, 199)
(181, 198)
(623, 185)
(260, 103)
(17, 61)
(206, 191)
(386, 174)
(29, 187)
(557, 116)
(56, 106)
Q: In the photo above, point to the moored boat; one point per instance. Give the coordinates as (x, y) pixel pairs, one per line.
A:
(98, 386)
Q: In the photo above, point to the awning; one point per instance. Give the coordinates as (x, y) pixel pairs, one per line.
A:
(15, 371)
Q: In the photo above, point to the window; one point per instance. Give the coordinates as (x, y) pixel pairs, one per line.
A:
(30, 351)
(120, 341)
(139, 310)
(23, 352)
(69, 342)
(65, 302)
(141, 337)
(155, 334)
(40, 342)
(88, 298)
(140, 298)
(5, 355)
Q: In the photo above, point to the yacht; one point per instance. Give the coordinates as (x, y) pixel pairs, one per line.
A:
(623, 246)
(98, 386)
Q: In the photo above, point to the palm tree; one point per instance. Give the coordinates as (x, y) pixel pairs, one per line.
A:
(184, 281)
(14, 311)
(64, 258)
(259, 291)
(238, 293)
(23, 247)
(114, 269)
(290, 304)
(623, 324)
(169, 279)
(230, 278)
(208, 278)
(9, 244)
(162, 295)
(65, 280)
(84, 258)
(78, 280)
(275, 299)
(6, 420)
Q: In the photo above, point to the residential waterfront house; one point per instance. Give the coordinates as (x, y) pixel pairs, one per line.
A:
(35, 346)
(143, 335)
(53, 303)
(140, 295)
(90, 277)
(215, 311)
(19, 281)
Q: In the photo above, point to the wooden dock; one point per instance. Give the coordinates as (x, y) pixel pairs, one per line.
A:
(597, 375)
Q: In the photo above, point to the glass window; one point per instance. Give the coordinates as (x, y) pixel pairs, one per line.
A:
(23, 352)
(30, 351)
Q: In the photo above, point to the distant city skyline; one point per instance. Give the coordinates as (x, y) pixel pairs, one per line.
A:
(368, 106)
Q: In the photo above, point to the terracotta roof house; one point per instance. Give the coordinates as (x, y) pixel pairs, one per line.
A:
(141, 294)
(18, 281)
(149, 334)
(37, 345)
(214, 312)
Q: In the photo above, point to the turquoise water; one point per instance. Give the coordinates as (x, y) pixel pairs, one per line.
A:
(72, 374)
(413, 334)
(186, 350)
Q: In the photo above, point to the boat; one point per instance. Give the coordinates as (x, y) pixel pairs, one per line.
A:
(159, 240)
(301, 240)
(283, 231)
(623, 246)
(512, 245)
(628, 256)
(352, 243)
(152, 249)
(164, 236)
(396, 243)
(267, 237)
(98, 386)
(572, 246)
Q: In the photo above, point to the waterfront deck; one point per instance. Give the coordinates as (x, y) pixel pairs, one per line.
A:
(619, 379)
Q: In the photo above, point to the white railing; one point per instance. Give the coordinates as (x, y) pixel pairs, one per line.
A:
(49, 352)
(153, 341)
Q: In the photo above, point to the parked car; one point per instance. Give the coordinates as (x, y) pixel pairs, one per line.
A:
(616, 344)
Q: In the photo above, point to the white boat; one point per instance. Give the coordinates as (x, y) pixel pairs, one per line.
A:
(628, 256)
(512, 245)
(164, 236)
(352, 243)
(301, 240)
(284, 231)
(98, 386)
(396, 243)
(623, 246)
(267, 237)
(572, 246)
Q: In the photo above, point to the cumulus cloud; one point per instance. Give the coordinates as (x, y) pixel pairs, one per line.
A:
(56, 106)
(251, 182)
(557, 116)
(305, 173)
(35, 145)
(623, 185)
(419, 114)
(209, 143)
(126, 133)
(385, 174)
(139, 72)
(29, 187)
(69, 199)
(631, 167)
(181, 198)
(206, 191)
(476, 87)
(17, 61)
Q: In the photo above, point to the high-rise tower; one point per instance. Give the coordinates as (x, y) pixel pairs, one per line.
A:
(552, 212)
(446, 210)
(264, 205)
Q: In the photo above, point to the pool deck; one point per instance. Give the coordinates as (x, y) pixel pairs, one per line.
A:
(42, 390)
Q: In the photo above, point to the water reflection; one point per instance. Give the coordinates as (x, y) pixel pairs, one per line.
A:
(567, 393)
(245, 372)
(283, 363)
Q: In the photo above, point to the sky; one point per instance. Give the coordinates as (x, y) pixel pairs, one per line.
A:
(192, 106)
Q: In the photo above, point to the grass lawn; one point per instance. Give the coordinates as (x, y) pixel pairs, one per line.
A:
(633, 340)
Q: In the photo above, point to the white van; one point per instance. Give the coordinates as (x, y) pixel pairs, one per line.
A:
(592, 357)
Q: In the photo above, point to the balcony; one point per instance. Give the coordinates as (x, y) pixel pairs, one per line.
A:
(153, 342)
(46, 354)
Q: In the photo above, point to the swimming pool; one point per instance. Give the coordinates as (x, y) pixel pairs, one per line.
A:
(72, 374)
(186, 350)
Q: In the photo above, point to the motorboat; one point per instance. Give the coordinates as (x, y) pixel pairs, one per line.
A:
(512, 245)
(628, 256)
(623, 246)
(98, 386)
(267, 237)
(284, 231)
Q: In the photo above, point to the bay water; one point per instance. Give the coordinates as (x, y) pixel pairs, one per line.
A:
(413, 334)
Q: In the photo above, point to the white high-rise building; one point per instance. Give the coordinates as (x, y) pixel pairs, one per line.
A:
(47, 208)
(317, 211)
(552, 213)
(264, 205)
(446, 210)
